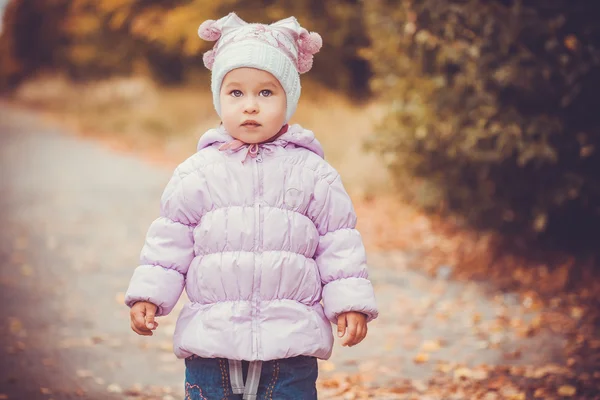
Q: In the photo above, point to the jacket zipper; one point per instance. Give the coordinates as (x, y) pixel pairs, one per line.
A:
(258, 258)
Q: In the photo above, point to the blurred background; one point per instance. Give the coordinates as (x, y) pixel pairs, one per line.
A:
(481, 109)
(467, 131)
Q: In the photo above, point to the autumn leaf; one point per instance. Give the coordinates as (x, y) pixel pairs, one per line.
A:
(421, 358)
(327, 366)
(431, 346)
(567, 390)
(114, 388)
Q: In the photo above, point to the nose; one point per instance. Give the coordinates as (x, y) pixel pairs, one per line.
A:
(251, 106)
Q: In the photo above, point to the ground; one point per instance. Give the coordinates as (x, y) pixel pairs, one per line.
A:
(74, 215)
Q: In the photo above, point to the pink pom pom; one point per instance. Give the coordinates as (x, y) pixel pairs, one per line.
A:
(310, 42)
(305, 63)
(314, 43)
(208, 31)
(209, 59)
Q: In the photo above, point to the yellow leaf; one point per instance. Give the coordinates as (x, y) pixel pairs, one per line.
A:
(577, 312)
(118, 19)
(431, 345)
(567, 390)
(109, 6)
(421, 358)
(82, 24)
(327, 366)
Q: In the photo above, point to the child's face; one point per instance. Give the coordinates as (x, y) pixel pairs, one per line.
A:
(253, 105)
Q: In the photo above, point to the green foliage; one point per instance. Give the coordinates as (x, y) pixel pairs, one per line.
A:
(492, 107)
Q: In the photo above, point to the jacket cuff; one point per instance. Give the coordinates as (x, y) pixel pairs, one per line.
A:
(349, 294)
(157, 285)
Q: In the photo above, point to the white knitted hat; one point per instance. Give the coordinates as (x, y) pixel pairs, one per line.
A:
(284, 49)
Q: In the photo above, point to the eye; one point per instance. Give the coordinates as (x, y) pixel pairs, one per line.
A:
(266, 93)
(236, 93)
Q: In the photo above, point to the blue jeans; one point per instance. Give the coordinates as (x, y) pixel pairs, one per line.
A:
(286, 379)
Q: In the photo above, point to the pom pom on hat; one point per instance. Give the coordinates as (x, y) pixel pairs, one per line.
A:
(209, 59)
(305, 63)
(310, 42)
(308, 45)
(208, 31)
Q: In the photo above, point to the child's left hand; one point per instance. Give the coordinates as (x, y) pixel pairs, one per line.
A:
(354, 325)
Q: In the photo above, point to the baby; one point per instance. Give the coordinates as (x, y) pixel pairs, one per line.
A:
(259, 230)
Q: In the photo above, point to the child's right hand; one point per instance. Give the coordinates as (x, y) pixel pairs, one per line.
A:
(142, 318)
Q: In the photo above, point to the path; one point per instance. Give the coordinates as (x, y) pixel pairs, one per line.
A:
(73, 224)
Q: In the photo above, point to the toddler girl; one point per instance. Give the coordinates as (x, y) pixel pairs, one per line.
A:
(258, 229)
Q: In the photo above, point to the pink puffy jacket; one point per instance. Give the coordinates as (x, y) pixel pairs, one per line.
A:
(265, 246)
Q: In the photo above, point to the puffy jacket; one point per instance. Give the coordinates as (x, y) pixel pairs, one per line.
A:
(266, 248)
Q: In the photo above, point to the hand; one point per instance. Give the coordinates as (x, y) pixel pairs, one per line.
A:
(354, 326)
(142, 318)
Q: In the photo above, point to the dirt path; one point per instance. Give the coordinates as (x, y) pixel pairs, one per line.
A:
(74, 216)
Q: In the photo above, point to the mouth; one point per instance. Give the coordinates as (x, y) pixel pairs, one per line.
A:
(250, 124)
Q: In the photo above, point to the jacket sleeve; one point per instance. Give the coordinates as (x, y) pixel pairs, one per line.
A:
(340, 254)
(168, 250)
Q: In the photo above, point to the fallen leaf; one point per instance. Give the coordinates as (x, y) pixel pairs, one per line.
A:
(571, 42)
(490, 396)
(431, 345)
(551, 369)
(567, 390)
(421, 358)
(577, 312)
(84, 373)
(327, 366)
(114, 388)
(134, 390)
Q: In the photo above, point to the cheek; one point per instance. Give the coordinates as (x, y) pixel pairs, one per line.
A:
(228, 107)
(277, 109)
